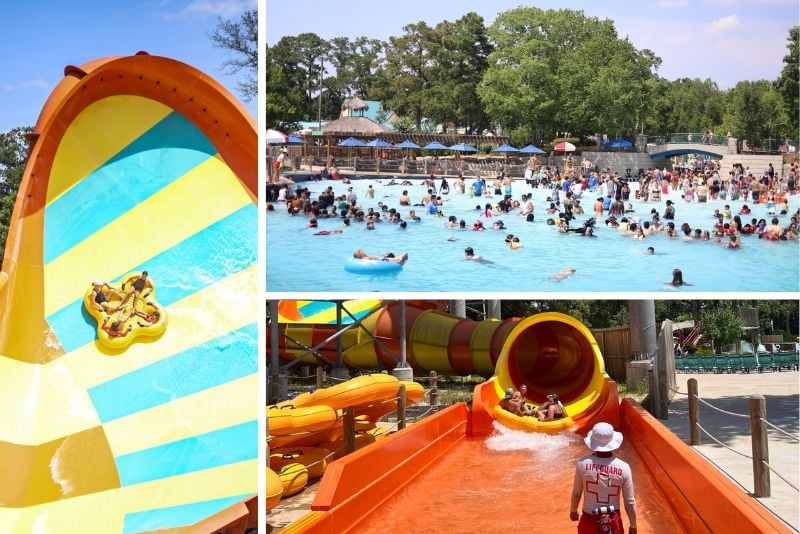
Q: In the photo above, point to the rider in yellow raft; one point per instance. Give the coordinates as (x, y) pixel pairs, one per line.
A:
(125, 309)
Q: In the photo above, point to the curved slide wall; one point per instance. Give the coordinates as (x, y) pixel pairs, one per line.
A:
(548, 352)
(136, 163)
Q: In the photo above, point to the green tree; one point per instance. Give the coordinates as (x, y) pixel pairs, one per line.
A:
(560, 70)
(756, 112)
(721, 325)
(13, 156)
(409, 72)
(460, 52)
(295, 65)
(240, 38)
(686, 105)
(787, 83)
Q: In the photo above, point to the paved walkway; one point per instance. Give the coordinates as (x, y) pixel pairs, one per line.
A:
(731, 392)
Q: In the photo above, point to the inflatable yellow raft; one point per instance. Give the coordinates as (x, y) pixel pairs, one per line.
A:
(123, 314)
(354, 392)
(294, 478)
(315, 459)
(531, 424)
(274, 489)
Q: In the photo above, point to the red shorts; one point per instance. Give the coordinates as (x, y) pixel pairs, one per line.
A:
(276, 164)
(588, 524)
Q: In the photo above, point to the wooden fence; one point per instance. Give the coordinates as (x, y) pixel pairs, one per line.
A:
(615, 345)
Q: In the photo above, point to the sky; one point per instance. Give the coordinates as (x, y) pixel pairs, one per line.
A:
(725, 40)
(38, 39)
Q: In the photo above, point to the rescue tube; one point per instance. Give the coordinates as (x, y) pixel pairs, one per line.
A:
(287, 419)
(274, 489)
(315, 459)
(367, 389)
(362, 266)
(140, 316)
(294, 478)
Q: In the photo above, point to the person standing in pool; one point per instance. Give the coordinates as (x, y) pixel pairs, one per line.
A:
(677, 279)
(600, 478)
(669, 211)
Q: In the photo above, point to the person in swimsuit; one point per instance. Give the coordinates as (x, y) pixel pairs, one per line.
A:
(150, 318)
(514, 402)
(551, 409)
(389, 256)
(138, 283)
(100, 299)
(114, 328)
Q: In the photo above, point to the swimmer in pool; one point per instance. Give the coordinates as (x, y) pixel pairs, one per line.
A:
(677, 279)
(469, 254)
(389, 256)
(563, 274)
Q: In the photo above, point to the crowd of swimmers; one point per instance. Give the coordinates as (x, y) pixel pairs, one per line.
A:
(699, 181)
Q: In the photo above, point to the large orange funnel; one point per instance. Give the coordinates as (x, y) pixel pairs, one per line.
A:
(549, 353)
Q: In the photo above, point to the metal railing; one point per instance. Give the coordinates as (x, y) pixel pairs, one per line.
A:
(689, 137)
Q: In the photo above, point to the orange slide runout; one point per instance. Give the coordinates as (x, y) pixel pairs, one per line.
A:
(702, 499)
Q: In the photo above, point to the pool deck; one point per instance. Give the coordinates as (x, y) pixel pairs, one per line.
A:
(727, 391)
(731, 392)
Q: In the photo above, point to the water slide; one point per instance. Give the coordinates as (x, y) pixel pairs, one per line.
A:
(439, 474)
(549, 353)
(136, 163)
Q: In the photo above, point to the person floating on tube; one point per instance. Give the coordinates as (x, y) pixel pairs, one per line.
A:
(600, 477)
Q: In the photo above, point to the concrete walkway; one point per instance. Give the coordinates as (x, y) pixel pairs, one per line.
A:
(731, 392)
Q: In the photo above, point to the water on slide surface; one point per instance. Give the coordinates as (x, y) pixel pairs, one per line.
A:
(512, 481)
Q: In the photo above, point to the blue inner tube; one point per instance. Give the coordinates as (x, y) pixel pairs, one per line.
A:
(357, 266)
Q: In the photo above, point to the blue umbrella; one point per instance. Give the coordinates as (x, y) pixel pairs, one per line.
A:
(619, 143)
(379, 143)
(463, 147)
(504, 148)
(351, 141)
(434, 146)
(292, 140)
(530, 149)
(407, 144)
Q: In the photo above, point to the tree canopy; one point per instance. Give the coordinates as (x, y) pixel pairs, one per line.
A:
(241, 39)
(535, 74)
(13, 155)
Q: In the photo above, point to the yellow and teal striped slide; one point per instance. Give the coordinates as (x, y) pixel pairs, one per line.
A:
(137, 163)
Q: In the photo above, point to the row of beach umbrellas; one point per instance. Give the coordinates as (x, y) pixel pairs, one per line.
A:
(435, 145)
(276, 137)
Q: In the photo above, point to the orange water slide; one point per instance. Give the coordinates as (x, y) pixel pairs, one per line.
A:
(548, 352)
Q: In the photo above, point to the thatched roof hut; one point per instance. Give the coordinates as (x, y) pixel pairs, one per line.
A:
(354, 126)
(354, 104)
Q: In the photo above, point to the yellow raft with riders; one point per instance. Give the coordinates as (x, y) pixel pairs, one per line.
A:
(125, 311)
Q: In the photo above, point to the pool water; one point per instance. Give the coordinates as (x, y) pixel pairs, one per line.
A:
(512, 482)
(297, 260)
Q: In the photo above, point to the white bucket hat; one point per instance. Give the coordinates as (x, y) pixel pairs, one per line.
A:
(97, 282)
(603, 438)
